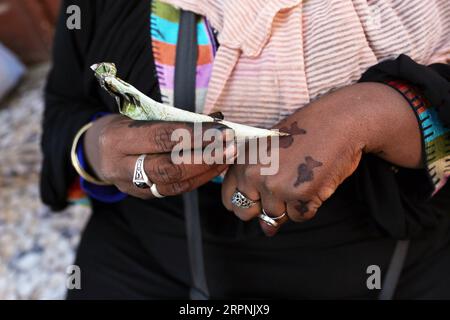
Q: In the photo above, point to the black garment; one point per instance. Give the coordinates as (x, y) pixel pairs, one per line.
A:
(129, 252)
(433, 80)
(137, 249)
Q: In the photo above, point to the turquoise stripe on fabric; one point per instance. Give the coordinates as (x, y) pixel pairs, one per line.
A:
(170, 30)
(432, 125)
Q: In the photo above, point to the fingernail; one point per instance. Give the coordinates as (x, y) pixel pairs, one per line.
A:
(217, 115)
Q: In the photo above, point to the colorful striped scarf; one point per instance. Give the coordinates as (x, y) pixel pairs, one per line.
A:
(164, 33)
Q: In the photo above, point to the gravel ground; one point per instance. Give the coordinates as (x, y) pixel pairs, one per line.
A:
(36, 245)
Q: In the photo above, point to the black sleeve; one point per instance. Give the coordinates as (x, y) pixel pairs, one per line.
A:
(427, 90)
(67, 107)
(433, 81)
(400, 199)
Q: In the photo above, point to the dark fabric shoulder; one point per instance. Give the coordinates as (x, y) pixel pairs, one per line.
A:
(66, 107)
(433, 80)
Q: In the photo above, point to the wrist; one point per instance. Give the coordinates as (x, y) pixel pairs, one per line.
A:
(389, 127)
(91, 143)
(374, 116)
(77, 157)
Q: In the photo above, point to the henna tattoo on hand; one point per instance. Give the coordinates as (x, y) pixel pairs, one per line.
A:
(294, 130)
(305, 171)
(302, 207)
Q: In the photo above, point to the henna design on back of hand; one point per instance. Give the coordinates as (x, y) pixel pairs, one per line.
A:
(305, 171)
(302, 207)
(294, 130)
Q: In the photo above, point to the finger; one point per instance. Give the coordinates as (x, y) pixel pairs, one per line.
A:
(229, 186)
(302, 210)
(251, 193)
(171, 179)
(160, 168)
(190, 184)
(127, 186)
(148, 137)
(274, 208)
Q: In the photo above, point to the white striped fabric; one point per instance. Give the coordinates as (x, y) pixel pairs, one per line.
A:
(278, 55)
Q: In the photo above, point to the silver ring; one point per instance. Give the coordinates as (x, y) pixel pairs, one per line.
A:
(140, 178)
(274, 218)
(155, 192)
(271, 221)
(268, 220)
(241, 201)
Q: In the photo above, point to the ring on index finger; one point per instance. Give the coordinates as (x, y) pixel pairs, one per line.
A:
(140, 178)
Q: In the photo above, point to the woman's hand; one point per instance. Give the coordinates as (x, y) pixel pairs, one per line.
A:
(113, 144)
(327, 140)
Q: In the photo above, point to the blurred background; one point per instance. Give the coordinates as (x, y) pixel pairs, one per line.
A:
(36, 245)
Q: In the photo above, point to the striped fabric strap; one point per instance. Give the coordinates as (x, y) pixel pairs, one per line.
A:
(165, 20)
(436, 136)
